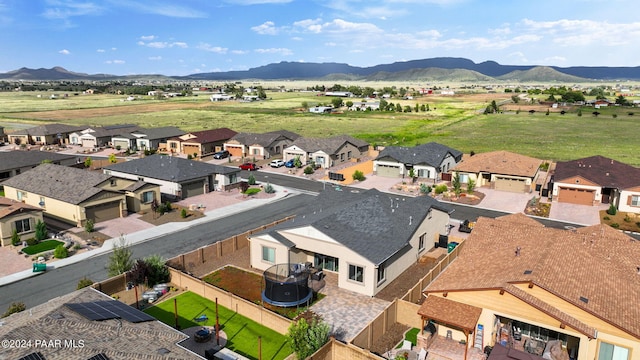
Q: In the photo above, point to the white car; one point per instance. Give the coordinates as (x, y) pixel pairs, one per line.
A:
(276, 163)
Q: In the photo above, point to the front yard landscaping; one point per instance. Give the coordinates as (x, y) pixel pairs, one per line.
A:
(242, 333)
(621, 220)
(43, 246)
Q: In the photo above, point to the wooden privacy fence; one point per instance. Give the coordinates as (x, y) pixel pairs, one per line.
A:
(336, 350)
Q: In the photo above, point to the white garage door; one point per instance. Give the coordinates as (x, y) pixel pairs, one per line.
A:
(510, 184)
(388, 170)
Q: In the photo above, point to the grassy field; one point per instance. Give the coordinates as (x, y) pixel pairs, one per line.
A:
(242, 333)
(456, 121)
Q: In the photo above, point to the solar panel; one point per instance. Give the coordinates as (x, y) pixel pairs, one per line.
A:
(109, 309)
(100, 356)
(33, 356)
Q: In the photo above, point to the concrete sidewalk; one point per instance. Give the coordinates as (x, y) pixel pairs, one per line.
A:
(154, 232)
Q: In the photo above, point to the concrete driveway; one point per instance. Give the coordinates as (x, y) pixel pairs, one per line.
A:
(579, 214)
(504, 200)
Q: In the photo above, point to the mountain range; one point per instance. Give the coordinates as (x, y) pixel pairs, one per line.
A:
(433, 69)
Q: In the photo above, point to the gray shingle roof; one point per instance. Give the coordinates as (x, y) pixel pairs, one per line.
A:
(169, 168)
(430, 154)
(63, 183)
(329, 145)
(49, 129)
(17, 159)
(165, 132)
(264, 139)
(371, 223)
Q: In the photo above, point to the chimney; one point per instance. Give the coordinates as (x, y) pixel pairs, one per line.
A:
(518, 251)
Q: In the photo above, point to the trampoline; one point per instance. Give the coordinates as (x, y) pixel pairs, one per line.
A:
(286, 285)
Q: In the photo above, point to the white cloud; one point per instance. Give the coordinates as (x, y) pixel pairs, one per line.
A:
(571, 33)
(163, 9)
(502, 31)
(239, 52)
(61, 10)
(147, 37)
(114, 49)
(100, 50)
(116, 62)
(257, 2)
(214, 49)
(155, 58)
(281, 51)
(163, 44)
(267, 28)
(64, 52)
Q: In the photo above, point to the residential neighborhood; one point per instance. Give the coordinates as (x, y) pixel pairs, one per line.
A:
(386, 252)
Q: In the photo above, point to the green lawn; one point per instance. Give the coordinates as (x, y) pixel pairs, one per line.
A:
(242, 333)
(45, 245)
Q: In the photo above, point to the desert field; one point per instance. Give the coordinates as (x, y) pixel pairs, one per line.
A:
(456, 121)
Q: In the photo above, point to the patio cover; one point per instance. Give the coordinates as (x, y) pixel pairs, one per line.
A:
(500, 352)
(449, 312)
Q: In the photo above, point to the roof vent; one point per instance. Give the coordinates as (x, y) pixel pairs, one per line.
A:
(163, 351)
(410, 219)
(518, 251)
(584, 299)
(528, 272)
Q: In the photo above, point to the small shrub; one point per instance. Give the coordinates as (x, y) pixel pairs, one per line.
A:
(612, 210)
(31, 241)
(615, 225)
(15, 238)
(41, 231)
(251, 180)
(309, 170)
(606, 218)
(425, 189)
(77, 247)
(638, 224)
(441, 188)
(84, 282)
(269, 189)
(118, 147)
(252, 191)
(60, 252)
(89, 226)
(358, 175)
(15, 307)
(627, 218)
(183, 213)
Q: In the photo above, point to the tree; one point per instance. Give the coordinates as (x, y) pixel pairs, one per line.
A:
(112, 159)
(306, 338)
(251, 180)
(15, 307)
(305, 105)
(515, 99)
(297, 162)
(621, 100)
(120, 260)
(60, 252)
(41, 230)
(15, 238)
(83, 283)
(457, 186)
(471, 185)
(88, 162)
(358, 176)
(398, 107)
(336, 102)
(89, 226)
(349, 103)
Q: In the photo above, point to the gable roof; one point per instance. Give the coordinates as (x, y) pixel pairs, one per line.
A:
(329, 145)
(209, 136)
(174, 169)
(264, 139)
(431, 154)
(9, 207)
(115, 338)
(112, 130)
(500, 162)
(18, 158)
(164, 132)
(365, 222)
(593, 268)
(600, 170)
(48, 129)
(63, 183)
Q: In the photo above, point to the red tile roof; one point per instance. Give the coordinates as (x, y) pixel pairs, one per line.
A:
(209, 136)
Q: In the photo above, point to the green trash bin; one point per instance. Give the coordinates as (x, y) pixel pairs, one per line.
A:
(37, 267)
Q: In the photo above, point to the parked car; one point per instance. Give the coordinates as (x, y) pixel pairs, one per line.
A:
(249, 166)
(276, 163)
(290, 163)
(221, 154)
(150, 295)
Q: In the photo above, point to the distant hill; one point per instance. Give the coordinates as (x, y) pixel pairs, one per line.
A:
(434, 69)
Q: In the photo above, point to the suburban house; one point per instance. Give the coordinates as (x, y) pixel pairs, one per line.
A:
(579, 287)
(260, 146)
(597, 180)
(43, 134)
(177, 177)
(365, 105)
(321, 109)
(22, 218)
(91, 325)
(500, 170)
(15, 162)
(75, 195)
(94, 137)
(367, 238)
(327, 152)
(428, 161)
(200, 143)
(221, 97)
(145, 139)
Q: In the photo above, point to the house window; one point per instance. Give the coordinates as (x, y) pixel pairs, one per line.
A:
(147, 197)
(635, 200)
(233, 178)
(269, 254)
(38, 139)
(421, 242)
(348, 154)
(612, 352)
(356, 273)
(21, 195)
(342, 157)
(23, 226)
(382, 273)
(256, 151)
(113, 182)
(173, 145)
(325, 262)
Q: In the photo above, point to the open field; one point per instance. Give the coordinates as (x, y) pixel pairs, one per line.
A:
(456, 121)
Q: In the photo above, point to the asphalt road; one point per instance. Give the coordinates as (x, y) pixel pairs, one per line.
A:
(41, 288)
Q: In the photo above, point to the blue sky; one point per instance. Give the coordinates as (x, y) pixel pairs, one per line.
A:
(180, 37)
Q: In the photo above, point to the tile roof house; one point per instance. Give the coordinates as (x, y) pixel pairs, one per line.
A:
(22, 218)
(500, 170)
(516, 275)
(260, 146)
(74, 195)
(143, 139)
(428, 161)
(200, 143)
(82, 339)
(16, 162)
(598, 180)
(327, 152)
(43, 134)
(367, 238)
(177, 177)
